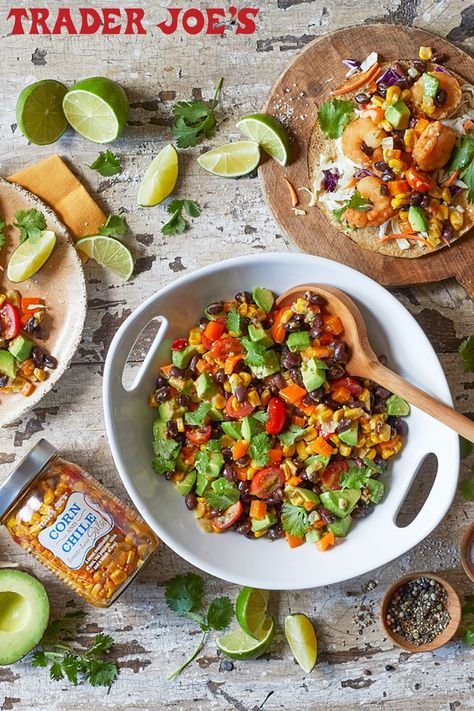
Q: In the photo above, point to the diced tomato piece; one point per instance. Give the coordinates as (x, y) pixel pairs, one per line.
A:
(10, 321)
(332, 474)
(179, 344)
(266, 481)
(236, 410)
(228, 517)
(200, 435)
(276, 416)
(351, 384)
(225, 347)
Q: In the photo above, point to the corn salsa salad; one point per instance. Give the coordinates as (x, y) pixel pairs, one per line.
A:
(261, 429)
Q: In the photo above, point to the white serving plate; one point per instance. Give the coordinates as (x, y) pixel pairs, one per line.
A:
(373, 541)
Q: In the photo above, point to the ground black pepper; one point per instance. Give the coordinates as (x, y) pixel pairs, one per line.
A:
(417, 610)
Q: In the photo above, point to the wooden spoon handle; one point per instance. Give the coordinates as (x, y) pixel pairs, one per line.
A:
(437, 409)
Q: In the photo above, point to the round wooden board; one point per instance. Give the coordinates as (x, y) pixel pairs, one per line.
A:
(295, 99)
(60, 282)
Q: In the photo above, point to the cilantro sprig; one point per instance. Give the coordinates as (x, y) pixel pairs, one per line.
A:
(195, 120)
(71, 662)
(114, 227)
(294, 520)
(31, 224)
(177, 224)
(334, 115)
(357, 202)
(107, 164)
(222, 494)
(184, 594)
(259, 449)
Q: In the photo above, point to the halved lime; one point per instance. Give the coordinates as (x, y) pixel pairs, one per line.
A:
(97, 108)
(269, 133)
(231, 160)
(251, 610)
(301, 637)
(239, 645)
(30, 256)
(108, 252)
(160, 178)
(39, 111)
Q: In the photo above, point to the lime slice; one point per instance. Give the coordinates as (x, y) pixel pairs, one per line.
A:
(231, 160)
(39, 111)
(97, 108)
(251, 610)
(108, 252)
(263, 298)
(239, 645)
(160, 179)
(269, 133)
(302, 640)
(30, 256)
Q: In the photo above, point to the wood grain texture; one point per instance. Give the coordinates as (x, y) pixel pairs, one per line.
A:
(295, 99)
(358, 666)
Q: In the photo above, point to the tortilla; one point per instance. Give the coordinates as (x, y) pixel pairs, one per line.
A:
(367, 237)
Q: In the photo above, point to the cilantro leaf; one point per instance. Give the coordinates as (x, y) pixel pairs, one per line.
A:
(31, 224)
(261, 416)
(334, 115)
(56, 672)
(177, 224)
(184, 593)
(166, 453)
(468, 637)
(371, 465)
(357, 202)
(107, 164)
(376, 489)
(100, 673)
(39, 658)
(191, 206)
(466, 487)
(259, 449)
(207, 463)
(198, 417)
(223, 494)
(233, 321)
(290, 436)
(195, 120)
(294, 520)
(114, 226)
(465, 447)
(102, 644)
(3, 236)
(255, 352)
(466, 351)
(463, 153)
(354, 478)
(468, 176)
(220, 613)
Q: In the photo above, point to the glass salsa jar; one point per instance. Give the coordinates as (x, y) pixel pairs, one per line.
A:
(74, 526)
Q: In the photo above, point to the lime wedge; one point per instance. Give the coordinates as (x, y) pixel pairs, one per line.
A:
(269, 133)
(39, 111)
(231, 160)
(108, 252)
(302, 640)
(239, 645)
(251, 610)
(160, 178)
(97, 108)
(30, 256)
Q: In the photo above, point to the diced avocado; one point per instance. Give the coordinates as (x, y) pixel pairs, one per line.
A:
(270, 366)
(333, 501)
(21, 348)
(430, 85)
(250, 427)
(398, 114)
(298, 341)
(209, 464)
(159, 429)
(185, 486)
(8, 364)
(232, 429)
(263, 298)
(312, 536)
(351, 435)
(181, 359)
(263, 523)
(258, 335)
(312, 373)
(202, 484)
(166, 410)
(341, 526)
(298, 496)
(316, 463)
(206, 388)
(397, 406)
(24, 614)
(215, 415)
(417, 219)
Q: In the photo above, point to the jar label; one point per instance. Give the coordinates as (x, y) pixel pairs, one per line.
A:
(76, 530)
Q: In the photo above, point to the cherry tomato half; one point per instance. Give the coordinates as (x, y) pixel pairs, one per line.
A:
(235, 409)
(332, 474)
(351, 384)
(276, 416)
(228, 517)
(200, 435)
(206, 342)
(224, 347)
(10, 321)
(266, 481)
(179, 344)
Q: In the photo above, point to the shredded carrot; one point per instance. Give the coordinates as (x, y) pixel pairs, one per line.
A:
(451, 180)
(231, 362)
(326, 541)
(258, 509)
(240, 449)
(276, 455)
(405, 235)
(358, 81)
(292, 393)
(352, 183)
(293, 193)
(294, 541)
(320, 446)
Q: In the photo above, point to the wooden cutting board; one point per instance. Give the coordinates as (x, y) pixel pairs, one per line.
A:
(295, 99)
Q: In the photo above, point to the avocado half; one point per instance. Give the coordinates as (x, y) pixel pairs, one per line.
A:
(24, 613)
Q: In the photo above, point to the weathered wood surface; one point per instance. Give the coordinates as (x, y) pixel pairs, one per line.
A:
(357, 665)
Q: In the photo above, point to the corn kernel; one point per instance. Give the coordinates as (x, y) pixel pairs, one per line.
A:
(265, 397)
(194, 336)
(251, 471)
(234, 381)
(218, 401)
(456, 219)
(200, 509)
(344, 450)
(436, 193)
(48, 498)
(3, 298)
(396, 164)
(393, 94)
(259, 534)
(40, 374)
(245, 378)
(243, 309)
(227, 387)
(403, 214)
(399, 202)
(409, 139)
(446, 195)
(425, 53)
(286, 316)
(301, 450)
(428, 105)
(290, 466)
(405, 95)
(300, 306)
(14, 297)
(386, 125)
(378, 101)
(180, 424)
(288, 450)
(254, 398)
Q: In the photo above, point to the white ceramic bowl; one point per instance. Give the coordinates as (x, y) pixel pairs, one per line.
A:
(373, 541)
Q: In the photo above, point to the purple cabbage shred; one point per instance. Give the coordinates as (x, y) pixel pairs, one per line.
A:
(330, 180)
(351, 63)
(363, 173)
(455, 190)
(440, 69)
(389, 77)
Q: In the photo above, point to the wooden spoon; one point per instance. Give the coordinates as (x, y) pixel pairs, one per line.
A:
(363, 361)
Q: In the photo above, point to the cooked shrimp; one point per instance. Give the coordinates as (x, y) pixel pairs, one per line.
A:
(449, 85)
(372, 189)
(434, 147)
(359, 140)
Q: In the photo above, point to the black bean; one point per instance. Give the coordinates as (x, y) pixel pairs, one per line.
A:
(381, 392)
(363, 509)
(317, 321)
(278, 381)
(381, 165)
(190, 500)
(388, 175)
(366, 149)
(382, 463)
(220, 376)
(382, 90)
(314, 298)
(415, 199)
(180, 438)
(378, 407)
(356, 403)
(424, 202)
(243, 461)
(296, 375)
(340, 353)
(171, 428)
(398, 143)
(343, 424)
(244, 527)
(316, 331)
(292, 326)
(3, 380)
(447, 232)
(215, 308)
(440, 98)
(307, 400)
(362, 98)
(30, 325)
(243, 297)
(50, 361)
(229, 473)
(202, 323)
(176, 372)
(213, 513)
(439, 58)
(227, 454)
(400, 426)
(420, 65)
(241, 393)
(216, 430)
(275, 532)
(243, 487)
(168, 476)
(193, 364)
(38, 357)
(291, 360)
(384, 191)
(317, 395)
(412, 122)
(326, 515)
(160, 382)
(399, 69)
(183, 400)
(162, 393)
(275, 498)
(383, 360)
(334, 371)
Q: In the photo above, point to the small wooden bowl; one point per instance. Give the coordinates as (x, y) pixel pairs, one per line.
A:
(453, 605)
(467, 542)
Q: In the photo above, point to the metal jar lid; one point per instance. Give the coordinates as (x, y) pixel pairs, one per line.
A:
(27, 470)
